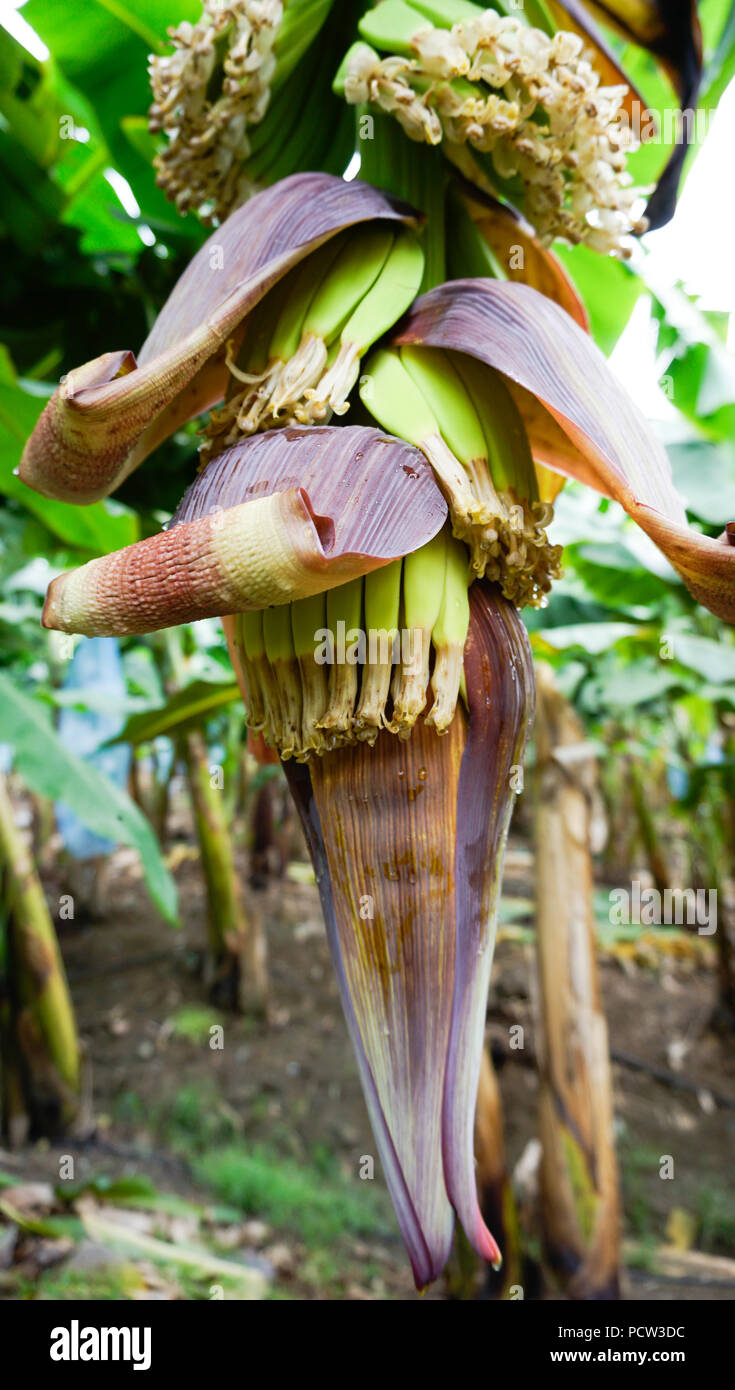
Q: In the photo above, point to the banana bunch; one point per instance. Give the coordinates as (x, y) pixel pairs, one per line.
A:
(300, 359)
(230, 100)
(335, 669)
(462, 416)
(515, 102)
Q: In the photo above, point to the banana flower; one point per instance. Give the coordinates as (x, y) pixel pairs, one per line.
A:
(530, 102)
(673, 36)
(405, 811)
(516, 94)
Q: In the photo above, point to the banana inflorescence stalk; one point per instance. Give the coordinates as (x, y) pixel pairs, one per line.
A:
(375, 653)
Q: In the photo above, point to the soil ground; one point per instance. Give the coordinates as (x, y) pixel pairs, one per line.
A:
(167, 1105)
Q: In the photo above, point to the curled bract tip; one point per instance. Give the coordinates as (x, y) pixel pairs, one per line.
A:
(579, 419)
(108, 415)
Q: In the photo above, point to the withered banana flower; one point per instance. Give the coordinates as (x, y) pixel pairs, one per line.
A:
(672, 33)
(228, 100)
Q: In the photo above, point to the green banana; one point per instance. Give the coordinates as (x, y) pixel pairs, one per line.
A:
(391, 26)
(344, 622)
(265, 703)
(308, 620)
(266, 349)
(357, 265)
(308, 277)
(227, 423)
(355, 271)
(522, 560)
(392, 397)
(279, 649)
(346, 638)
(423, 588)
(507, 448)
(382, 612)
(448, 637)
(445, 13)
(433, 373)
(301, 357)
(320, 296)
(387, 298)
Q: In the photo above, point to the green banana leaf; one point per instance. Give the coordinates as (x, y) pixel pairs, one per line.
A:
(100, 528)
(104, 53)
(52, 770)
(608, 288)
(186, 708)
(705, 477)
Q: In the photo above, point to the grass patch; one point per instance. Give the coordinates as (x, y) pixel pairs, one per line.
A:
(76, 1285)
(292, 1195)
(308, 1198)
(715, 1210)
(637, 1164)
(194, 1022)
(198, 1119)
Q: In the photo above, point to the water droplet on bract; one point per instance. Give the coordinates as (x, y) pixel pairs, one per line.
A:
(422, 773)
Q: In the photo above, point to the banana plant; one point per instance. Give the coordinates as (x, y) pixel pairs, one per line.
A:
(578, 1173)
(402, 758)
(40, 1071)
(188, 690)
(311, 537)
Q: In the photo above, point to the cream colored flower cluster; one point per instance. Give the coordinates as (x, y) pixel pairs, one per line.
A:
(206, 94)
(548, 121)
